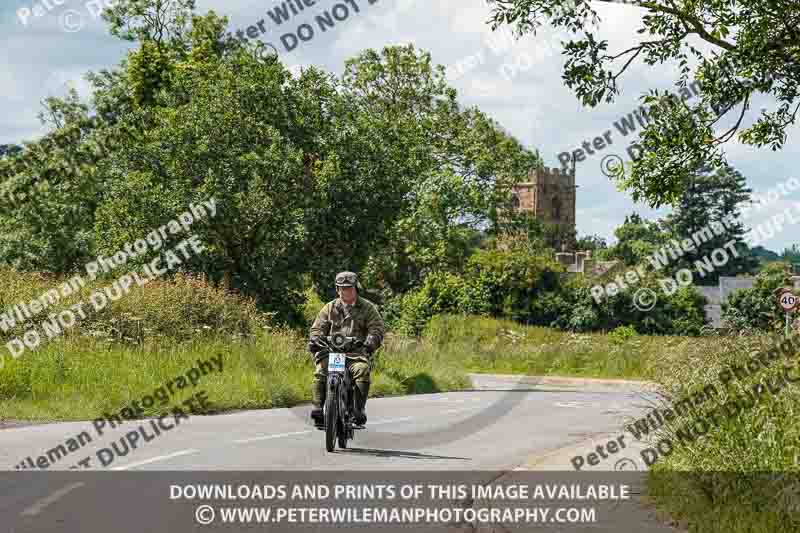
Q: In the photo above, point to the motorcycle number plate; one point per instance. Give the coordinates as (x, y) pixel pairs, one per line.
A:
(336, 362)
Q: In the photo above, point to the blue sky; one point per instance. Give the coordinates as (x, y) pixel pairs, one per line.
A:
(516, 82)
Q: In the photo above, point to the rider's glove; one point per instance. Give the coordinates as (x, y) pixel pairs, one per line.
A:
(362, 347)
(371, 344)
(313, 347)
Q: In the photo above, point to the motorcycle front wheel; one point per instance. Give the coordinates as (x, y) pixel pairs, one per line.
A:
(342, 432)
(331, 417)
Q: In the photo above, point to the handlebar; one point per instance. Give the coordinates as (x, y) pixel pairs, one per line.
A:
(340, 343)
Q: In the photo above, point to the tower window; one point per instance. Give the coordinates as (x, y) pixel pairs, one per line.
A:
(556, 208)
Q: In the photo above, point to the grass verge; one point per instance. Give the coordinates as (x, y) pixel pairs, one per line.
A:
(82, 376)
(738, 474)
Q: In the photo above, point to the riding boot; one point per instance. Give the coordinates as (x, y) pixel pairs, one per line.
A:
(318, 400)
(362, 388)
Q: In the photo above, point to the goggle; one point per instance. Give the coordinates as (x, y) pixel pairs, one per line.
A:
(346, 279)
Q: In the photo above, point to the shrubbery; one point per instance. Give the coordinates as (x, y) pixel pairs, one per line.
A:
(531, 288)
(181, 308)
(756, 308)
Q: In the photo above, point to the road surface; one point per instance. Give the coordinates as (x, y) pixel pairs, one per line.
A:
(496, 427)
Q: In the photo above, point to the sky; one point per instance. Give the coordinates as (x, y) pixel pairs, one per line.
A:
(48, 45)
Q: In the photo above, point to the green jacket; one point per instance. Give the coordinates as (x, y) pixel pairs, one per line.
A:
(364, 320)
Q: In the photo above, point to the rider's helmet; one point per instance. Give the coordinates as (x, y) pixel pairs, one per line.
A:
(346, 279)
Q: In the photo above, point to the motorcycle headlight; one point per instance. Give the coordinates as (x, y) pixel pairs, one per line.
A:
(338, 340)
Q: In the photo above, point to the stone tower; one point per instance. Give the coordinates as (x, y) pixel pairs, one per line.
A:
(549, 195)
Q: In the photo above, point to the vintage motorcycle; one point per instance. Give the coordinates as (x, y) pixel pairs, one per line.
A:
(340, 407)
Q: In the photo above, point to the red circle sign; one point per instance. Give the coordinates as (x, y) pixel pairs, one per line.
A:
(787, 301)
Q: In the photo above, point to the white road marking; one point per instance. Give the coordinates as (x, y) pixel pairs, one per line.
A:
(573, 405)
(156, 459)
(391, 420)
(462, 409)
(269, 437)
(39, 506)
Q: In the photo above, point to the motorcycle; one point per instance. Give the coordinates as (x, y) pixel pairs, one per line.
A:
(340, 408)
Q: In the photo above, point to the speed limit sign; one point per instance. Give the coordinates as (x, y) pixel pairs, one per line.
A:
(788, 301)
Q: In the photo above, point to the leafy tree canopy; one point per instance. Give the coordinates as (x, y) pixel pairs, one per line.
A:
(311, 174)
(735, 49)
(708, 213)
(637, 239)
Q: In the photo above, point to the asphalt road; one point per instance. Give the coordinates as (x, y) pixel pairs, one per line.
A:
(497, 426)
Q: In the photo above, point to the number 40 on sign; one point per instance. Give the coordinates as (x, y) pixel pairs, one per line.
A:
(788, 301)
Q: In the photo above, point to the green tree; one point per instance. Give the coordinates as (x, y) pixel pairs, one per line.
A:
(311, 174)
(637, 239)
(594, 243)
(465, 165)
(543, 236)
(7, 150)
(791, 255)
(735, 50)
(707, 213)
(765, 255)
(307, 178)
(50, 190)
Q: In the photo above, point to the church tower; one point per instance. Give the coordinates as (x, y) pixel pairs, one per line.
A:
(549, 195)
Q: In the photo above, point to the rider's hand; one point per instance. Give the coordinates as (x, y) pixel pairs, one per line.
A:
(370, 345)
(362, 347)
(313, 347)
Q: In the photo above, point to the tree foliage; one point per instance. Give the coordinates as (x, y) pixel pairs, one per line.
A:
(637, 239)
(712, 200)
(312, 174)
(736, 50)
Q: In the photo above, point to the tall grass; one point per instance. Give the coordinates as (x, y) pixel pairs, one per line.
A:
(741, 476)
(82, 375)
(182, 308)
(505, 347)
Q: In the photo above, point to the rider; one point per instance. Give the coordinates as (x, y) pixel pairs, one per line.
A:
(353, 316)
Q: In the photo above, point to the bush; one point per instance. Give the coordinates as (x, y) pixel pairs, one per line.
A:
(519, 283)
(679, 313)
(180, 308)
(621, 334)
(756, 308)
(440, 293)
(530, 288)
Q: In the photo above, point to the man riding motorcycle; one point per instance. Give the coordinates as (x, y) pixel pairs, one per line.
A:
(353, 316)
